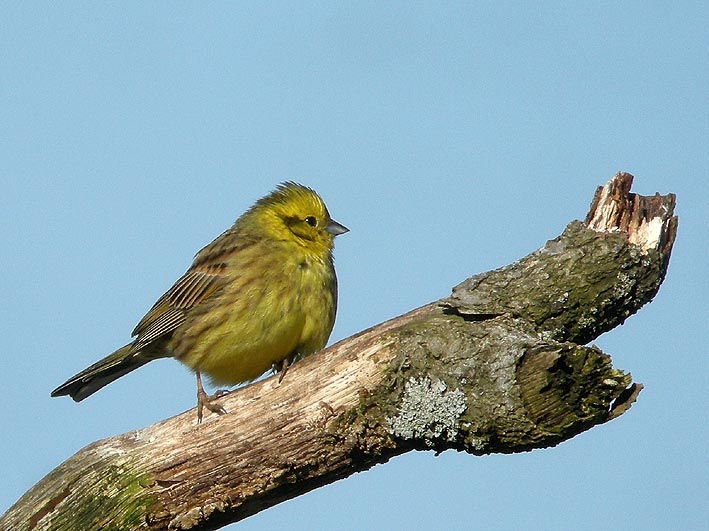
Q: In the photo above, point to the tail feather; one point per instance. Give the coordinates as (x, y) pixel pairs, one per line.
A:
(101, 373)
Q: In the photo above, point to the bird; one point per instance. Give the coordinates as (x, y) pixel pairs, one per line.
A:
(260, 296)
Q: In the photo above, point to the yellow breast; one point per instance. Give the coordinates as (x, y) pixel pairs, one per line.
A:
(287, 311)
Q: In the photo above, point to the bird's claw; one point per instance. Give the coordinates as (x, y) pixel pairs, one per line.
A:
(207, 401)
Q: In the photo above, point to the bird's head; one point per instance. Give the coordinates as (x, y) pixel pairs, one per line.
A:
(296, 213)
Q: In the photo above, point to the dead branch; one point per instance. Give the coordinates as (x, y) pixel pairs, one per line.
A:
(498, 366)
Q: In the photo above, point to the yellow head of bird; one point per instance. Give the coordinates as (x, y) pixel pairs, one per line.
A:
(293, 212)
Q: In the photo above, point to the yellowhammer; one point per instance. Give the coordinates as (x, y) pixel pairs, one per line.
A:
(260, 296)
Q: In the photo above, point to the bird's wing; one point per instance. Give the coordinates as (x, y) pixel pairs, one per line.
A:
(170, 310)
(204, 277)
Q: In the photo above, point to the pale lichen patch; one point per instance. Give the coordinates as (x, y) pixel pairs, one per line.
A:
(428, 411)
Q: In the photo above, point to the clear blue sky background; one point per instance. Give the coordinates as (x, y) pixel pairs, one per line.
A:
(451, 139)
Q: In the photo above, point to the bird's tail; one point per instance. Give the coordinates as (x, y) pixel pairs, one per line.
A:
(101, 373)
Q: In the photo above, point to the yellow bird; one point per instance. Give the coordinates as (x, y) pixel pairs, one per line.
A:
(261, 295)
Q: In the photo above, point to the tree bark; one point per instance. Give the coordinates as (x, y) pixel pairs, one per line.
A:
(499, 366)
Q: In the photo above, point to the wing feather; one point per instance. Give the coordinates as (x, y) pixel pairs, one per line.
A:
(205, 277)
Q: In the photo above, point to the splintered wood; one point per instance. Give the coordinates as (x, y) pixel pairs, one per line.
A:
(646, 221)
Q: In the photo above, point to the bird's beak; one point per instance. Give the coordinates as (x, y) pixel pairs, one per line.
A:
(334, 228)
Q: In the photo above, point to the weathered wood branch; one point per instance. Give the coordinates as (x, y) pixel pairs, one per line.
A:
(498, 366)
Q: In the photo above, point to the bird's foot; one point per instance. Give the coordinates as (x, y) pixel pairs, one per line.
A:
(207, 401)
(281, 367)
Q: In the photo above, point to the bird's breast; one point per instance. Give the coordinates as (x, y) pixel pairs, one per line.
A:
(262, 319)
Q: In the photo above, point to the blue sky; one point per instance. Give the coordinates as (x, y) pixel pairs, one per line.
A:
(451, 139)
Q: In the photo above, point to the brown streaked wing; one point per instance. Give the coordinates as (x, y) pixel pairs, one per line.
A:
(205, 276)
(171, 309)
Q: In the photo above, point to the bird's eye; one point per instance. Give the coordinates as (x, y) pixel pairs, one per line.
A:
(310, 220)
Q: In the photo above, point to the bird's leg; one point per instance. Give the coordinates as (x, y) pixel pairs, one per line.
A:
(205, 400)
(282, 368)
